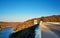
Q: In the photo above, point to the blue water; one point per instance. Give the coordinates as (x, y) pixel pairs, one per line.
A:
(38, 32)
(6, 32)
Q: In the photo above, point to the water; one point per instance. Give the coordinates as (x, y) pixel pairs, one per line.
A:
(38, 32)
(6, 32)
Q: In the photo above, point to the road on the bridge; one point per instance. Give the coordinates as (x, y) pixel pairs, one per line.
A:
(50, 31)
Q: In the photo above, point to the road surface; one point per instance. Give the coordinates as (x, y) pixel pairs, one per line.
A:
(49, 31)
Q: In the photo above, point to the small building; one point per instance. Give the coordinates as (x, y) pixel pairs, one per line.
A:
(35, 22)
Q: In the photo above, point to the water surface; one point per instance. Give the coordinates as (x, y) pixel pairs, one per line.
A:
(6, 32)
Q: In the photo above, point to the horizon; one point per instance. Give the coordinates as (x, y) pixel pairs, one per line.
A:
(29, 19)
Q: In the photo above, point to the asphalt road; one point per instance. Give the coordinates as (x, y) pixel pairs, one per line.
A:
(50, 31)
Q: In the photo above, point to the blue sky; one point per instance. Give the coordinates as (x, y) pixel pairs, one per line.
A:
(21, 10)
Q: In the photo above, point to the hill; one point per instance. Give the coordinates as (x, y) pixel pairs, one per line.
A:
(26, 24)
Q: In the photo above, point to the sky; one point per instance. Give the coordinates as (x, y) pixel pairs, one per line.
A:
(21, 10)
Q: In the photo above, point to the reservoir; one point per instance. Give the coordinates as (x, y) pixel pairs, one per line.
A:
(6, 32)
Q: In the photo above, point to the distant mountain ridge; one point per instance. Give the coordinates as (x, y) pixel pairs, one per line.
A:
(26, 24)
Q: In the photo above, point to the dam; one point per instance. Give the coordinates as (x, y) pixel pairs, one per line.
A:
(20, 28)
